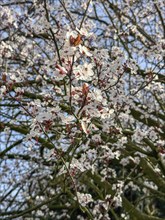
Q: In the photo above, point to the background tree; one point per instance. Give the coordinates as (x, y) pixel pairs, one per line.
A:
(82, 109)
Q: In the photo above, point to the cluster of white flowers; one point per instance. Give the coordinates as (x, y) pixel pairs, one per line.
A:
(84, 199)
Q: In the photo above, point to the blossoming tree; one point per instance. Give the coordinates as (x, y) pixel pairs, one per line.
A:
(82, 109)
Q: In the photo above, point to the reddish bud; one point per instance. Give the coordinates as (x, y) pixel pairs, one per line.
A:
(85, 89)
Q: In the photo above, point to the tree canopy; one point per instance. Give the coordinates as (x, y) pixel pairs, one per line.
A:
(82, 109)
